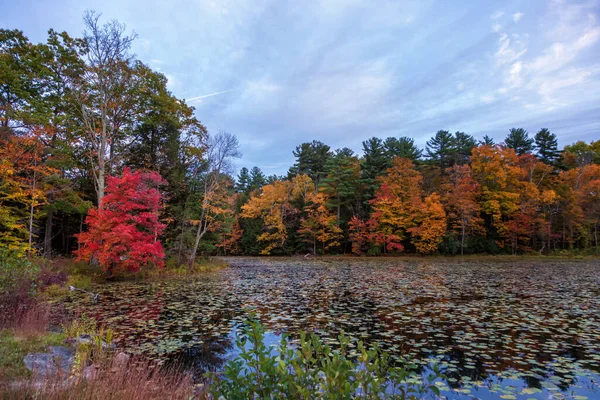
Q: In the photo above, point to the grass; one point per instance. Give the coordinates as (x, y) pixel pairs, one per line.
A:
(13, 347)
(136, 380)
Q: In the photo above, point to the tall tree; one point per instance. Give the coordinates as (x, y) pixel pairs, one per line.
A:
(320, 225)
(462, 202)
(257, 179)
(403, 147)
(222, 148)
(272, 206)
(487, 141)
(342, 183)
(463, 146)
(441, 149)
(243, 180)
(102, 92)
(518, 139)
(546, 145)
(374, 163)
(430, 228)
(311, 159)
(397, 204)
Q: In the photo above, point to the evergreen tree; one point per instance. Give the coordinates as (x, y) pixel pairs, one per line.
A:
(257, 179)
(310, 160)
(374, 164)
(243, 180)
(404, 147)
(463, 145)
(341, 185)
(487, 141)
(518, 139)
(547, 146)
(441, 149)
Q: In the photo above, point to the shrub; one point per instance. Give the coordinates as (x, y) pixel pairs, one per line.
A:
(17, 286)
(49, 276)
(15, 270)
(313, 370)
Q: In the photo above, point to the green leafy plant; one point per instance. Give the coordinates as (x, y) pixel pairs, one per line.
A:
(314, 370)
(15, 270)
(92, 343)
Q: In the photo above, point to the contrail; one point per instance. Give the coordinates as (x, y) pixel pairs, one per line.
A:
(208, 95)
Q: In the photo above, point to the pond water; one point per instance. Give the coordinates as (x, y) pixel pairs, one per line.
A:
(506, 328)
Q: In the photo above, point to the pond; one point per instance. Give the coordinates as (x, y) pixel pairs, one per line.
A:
(499, 328)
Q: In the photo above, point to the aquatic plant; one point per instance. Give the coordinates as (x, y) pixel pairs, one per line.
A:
(314, 370)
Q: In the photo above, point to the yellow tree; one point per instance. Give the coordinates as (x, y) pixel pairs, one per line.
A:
(272, 205)
(23, 174)
(496, 169)
(397, 204)
(320, 225)
(427, 235)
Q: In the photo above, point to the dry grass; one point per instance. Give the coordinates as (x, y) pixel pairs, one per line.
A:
(34, 321)
(137, 380)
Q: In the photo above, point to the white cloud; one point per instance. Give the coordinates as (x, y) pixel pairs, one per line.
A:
(487, 99)
(559, 54)
(497, 15)
(497, 27)
(552, 78)
(510, 49)
(514, 78)
(517, 17)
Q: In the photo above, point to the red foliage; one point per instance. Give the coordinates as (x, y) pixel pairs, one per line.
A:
(123, 232)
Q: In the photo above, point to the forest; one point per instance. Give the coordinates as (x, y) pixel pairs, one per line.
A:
(100, 160)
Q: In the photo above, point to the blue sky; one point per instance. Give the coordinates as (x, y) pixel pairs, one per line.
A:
(278, 73)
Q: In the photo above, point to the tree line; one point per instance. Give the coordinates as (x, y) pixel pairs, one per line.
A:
(456, 196)
(99, 158)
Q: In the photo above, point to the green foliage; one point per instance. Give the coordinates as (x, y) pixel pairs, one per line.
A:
(546, 145)
(92, 343)
(16, 270)
(13, 349)
(519, 140)
(313, 370)
(445, 149)
(404, 147)
(311, 159)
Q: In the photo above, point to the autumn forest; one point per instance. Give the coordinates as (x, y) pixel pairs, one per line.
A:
(100, 160)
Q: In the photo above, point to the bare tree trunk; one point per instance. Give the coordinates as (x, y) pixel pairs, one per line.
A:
(48, 234)
(462, 240)
(80, 231)
(199, 233)
(31, 208)
(596, 235)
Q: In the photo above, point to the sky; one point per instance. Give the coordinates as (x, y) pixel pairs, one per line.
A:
(278, 73)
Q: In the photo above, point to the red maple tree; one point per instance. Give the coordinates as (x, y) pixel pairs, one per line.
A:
(123, 232)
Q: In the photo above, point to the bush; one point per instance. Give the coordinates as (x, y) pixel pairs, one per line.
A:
(18, 278)
(312, 370)
(15, 270)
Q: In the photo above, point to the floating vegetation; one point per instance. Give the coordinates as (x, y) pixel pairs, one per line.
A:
(518, 329)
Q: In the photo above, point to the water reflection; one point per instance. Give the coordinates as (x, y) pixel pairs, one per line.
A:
(490, 325)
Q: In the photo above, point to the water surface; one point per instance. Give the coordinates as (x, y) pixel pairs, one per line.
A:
(506, 328)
